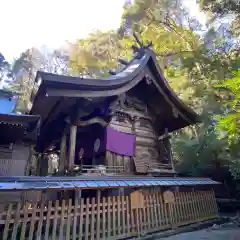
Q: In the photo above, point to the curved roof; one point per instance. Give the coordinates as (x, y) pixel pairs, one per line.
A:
(54, 89)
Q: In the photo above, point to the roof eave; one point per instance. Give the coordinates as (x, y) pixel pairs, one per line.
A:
(185, 111)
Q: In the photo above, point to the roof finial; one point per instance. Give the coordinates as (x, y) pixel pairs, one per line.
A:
(149, 45)
(141, 46)
(112, 72)
(135, 49)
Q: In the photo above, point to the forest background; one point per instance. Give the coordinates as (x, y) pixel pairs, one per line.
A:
(201, 64)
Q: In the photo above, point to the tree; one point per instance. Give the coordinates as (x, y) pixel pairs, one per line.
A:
(216, 61)
(97, 54)
(25, 67)
(24, 71)
(4, 69)
(229, 122)
(55, 61)
(221, 9)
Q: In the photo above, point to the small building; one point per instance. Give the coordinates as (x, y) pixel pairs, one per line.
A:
(112, 138)
(17, 133)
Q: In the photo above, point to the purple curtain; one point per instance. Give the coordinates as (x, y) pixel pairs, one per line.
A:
(119, 142)
(86, 141)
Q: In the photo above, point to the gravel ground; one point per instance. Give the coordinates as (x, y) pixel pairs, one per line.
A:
(228, 229)
(208, 234)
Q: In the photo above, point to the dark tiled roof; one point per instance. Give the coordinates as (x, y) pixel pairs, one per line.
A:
(15, 127)
(18, 119)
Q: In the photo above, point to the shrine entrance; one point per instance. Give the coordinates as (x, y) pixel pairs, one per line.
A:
(90, 148)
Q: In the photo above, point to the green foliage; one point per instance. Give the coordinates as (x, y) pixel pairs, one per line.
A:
(24, 69)
(5, 73)
(98, 53)
(228, 123)
(224, 8)
(220, 7)
(196, 154)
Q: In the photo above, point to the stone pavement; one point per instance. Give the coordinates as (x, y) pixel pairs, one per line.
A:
(208, 234)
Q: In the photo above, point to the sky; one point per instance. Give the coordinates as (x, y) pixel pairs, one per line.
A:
(33, 23)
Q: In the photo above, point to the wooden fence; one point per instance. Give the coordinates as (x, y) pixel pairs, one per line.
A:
(106, 218)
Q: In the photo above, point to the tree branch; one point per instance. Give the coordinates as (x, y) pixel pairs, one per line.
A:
(172, 53)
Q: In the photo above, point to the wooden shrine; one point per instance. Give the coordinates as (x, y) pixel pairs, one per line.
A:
(116, 176)
(122, 122)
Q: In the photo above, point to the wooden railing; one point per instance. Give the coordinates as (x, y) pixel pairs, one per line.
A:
(111, 217)
(150, 167)
(102, 169)
(159, 165)
(156, 167)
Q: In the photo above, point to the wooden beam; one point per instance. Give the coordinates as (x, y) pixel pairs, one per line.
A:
(62, 157)
(92, 121)
(72, 146)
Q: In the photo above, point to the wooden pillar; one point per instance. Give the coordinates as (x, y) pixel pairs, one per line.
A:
(93, 161)
(29, 161)
(107, 158)
(44, 165)
(39, 162)
(133, 158)
(72, 145)
(62, 157)
(170, 153)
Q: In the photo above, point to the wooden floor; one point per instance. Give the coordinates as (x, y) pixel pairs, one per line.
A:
(112, 217)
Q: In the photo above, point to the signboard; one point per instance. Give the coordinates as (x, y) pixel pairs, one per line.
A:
(137, 200)
(168, 197)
